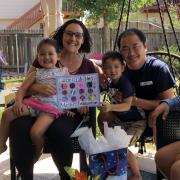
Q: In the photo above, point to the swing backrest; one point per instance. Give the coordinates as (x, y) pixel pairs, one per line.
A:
(174, 66)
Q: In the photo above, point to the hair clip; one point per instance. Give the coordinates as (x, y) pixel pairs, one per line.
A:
(64, 86)
(73, 91)
(90, 91)
(91, 97)
(73, 98)
(82, 97)
(64, 92)
(81, 91)
(72, 85)
(64, 99)
(89, 84)
(81, 85)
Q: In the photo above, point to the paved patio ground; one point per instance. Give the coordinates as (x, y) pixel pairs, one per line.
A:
(44, 169)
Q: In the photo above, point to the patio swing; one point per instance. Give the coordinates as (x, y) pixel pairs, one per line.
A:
(169, 130)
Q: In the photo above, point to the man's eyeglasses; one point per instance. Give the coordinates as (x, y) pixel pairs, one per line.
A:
(76, 34)
(126, 50)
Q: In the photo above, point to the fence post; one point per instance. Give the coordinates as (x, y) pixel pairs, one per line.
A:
(17, 53)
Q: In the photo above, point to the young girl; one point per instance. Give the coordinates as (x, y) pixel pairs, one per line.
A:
(46, 108)
(113, 67)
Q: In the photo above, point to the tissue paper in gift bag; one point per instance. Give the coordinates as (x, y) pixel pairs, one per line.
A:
(109, 164)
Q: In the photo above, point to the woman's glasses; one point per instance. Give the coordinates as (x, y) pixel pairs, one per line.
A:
(78, 35)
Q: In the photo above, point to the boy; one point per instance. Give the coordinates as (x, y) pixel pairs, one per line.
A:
(113, 67)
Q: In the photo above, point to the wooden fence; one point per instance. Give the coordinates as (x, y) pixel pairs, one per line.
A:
(19, 47)
(155, 39)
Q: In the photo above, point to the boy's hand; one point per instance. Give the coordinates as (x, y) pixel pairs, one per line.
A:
(163, 109)
(83, 110)
(69, 113)
(105, 107)
(18, 108)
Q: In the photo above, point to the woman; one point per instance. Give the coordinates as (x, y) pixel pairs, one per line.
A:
(72, 39)
(168, 157)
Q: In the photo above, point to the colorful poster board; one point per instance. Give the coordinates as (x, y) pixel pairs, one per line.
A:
(75, 91)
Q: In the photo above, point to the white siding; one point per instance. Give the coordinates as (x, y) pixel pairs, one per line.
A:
(11, 9)
(5, 22)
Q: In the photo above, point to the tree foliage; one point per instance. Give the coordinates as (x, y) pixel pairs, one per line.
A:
(173, 9)
(108, 9)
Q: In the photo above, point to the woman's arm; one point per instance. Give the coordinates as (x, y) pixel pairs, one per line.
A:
(97, 68)
(43, 89)
(152, 104)
(18, 105)
(102, 79)
(163, 109)
(173, 103)
(29, 80)
(31, 69)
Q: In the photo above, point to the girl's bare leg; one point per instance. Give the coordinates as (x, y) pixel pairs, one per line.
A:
(38, 130)
(7, 117)
(166, 157)
(134, 166)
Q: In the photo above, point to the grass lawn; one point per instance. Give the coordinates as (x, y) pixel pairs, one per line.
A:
(1, 111)
(6, 81)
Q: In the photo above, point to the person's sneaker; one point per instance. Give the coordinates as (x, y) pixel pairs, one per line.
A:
(3, 148)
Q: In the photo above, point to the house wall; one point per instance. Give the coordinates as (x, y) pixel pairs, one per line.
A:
(155, 17)
(13, 9)
(5, 22)
(37, 25)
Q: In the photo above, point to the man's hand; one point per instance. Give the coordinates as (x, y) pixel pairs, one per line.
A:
(163, 109)
(117, 96)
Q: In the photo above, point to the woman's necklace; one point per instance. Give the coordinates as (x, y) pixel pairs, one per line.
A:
(70, 72)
